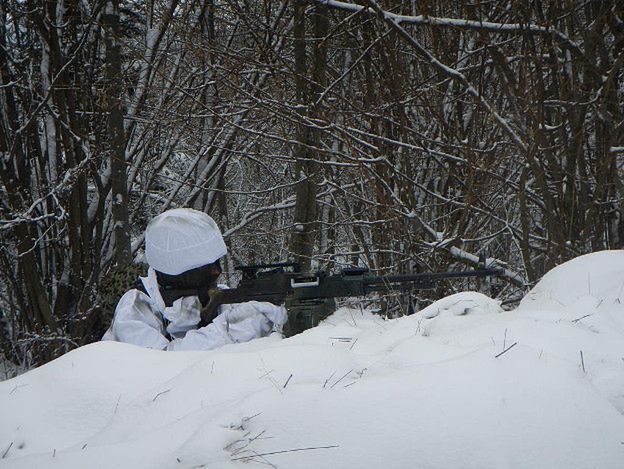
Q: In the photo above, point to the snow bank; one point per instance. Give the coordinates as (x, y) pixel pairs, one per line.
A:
(580, 283)
(462, 384)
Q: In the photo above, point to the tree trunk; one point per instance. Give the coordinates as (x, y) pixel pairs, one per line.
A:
(116, 138)
(304, 226)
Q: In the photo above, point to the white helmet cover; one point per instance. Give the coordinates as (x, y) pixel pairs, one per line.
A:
(182, 239)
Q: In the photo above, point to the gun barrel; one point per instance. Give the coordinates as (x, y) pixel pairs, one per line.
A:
(422, 281)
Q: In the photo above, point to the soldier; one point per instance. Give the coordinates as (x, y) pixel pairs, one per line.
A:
(183, 248)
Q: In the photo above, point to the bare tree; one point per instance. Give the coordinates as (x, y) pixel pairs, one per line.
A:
(400, 136)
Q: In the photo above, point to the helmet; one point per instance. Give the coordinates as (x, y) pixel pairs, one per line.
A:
(182, 239)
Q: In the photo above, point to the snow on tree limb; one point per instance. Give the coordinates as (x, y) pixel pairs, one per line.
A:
(64, 185)
(426, 20)
(440, 242)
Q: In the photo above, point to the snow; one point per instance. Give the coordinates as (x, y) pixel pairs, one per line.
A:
(462, 384)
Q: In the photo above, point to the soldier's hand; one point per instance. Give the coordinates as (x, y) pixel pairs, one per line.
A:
(237, 313)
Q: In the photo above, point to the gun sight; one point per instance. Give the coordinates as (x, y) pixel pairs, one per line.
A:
(251, 271)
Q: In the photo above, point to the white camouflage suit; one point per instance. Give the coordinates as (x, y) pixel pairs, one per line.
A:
(176, 241)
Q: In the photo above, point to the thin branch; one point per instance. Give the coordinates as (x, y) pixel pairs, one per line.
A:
(284, 451)
(507, 349)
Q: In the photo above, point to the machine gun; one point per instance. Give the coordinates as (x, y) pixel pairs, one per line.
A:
(309, 297)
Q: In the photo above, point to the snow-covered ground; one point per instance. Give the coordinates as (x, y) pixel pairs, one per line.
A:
(433, 390)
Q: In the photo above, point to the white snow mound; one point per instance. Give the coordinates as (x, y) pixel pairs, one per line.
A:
(461, 384)
(591, 278)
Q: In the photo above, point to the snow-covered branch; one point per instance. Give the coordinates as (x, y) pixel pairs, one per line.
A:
(449, 245)
(459, 23)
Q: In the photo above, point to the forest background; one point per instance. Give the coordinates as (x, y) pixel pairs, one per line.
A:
(404, 136)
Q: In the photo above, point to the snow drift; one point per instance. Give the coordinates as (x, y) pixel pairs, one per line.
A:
(462, 384)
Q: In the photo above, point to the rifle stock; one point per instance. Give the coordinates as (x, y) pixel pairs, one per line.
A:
(226, 296)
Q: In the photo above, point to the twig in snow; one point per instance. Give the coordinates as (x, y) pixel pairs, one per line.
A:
(84, 446)
(17, 387)
(117, 405)
(266, 374)
(160, 394)
(332, 375)
(248, 441)
(418, 326)
(582, 361)
(247, 419)
(285, 451)
(287, 381)
(343, 377)
(241, 452)
(352, 318)
(260, 460)
(7, 451)
(582, 317)
(507, 349)
(354, 342)
(254, 438)
(235, 442)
